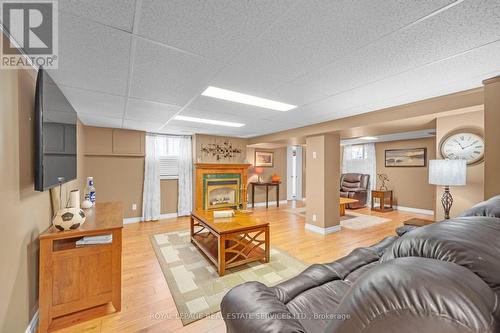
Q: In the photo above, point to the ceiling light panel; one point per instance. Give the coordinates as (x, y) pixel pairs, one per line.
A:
(208, 121)
(237, 97)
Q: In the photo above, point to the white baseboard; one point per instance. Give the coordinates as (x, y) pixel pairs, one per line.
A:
(129, 220)
(33, 325)
(168, 216)
(263, 204)
(415, 210)
(139, 219)
(322, 231)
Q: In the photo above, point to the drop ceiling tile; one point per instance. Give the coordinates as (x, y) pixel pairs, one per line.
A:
(92, 102)
(115, 13)
(177, 130)
(147, 126)
(251, 122)
(92, 56)
(150, 111)
(215, 105)
(217, 29)
(315, 33)
(459, 73)
(100, 121)
(459, 29)
(201, 128)
(165, 75)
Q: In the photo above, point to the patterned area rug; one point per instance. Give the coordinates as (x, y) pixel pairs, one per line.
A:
(351, 220)
(194, 283)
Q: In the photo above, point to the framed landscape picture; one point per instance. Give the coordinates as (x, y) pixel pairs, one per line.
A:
(411, 157)
(264, 159)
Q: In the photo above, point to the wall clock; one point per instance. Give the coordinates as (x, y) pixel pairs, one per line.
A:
(463, 145)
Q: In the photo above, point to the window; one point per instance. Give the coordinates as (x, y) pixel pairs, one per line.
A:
(358, 152)
(169, 157)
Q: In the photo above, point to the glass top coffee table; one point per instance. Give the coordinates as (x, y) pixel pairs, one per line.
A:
(230, 241)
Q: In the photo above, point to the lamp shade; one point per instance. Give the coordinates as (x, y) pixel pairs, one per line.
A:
(258, 170)
(447, 172)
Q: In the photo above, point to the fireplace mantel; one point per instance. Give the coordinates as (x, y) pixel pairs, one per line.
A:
(222, 166)
(206, 172)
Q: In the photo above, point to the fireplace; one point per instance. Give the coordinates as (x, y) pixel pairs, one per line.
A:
(223, 191)
(220, 186)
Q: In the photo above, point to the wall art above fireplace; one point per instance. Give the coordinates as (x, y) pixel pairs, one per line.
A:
(224, 151)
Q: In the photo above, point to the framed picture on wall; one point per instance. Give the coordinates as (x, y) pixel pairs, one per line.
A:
(264, 159)
(411, 157)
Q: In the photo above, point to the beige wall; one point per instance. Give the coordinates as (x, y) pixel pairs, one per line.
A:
(25, 213)
(492, 137)
(200, 140)
(323, 180)
(278, 169)
(169, 194)
(410, 186)
(118, 178)
(463, 196)
(115, 158)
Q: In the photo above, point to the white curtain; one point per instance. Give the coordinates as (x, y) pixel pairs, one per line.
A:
(356, 160)
(151, 195)
(185, 199)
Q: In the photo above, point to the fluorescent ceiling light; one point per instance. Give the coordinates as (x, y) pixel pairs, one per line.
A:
(368, 138)
(237, 97)
(208, 121)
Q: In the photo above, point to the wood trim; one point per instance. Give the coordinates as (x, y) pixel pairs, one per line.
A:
(221, 166)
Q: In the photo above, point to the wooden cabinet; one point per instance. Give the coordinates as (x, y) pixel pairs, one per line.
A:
(75, 278)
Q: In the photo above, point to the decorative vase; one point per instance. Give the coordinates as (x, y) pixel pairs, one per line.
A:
(69, 219)
(275, 178)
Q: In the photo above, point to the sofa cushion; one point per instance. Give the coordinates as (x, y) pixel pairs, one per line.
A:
(417, 295)
(490, 207)
(472, 242)
(252, 307)
(311, 308)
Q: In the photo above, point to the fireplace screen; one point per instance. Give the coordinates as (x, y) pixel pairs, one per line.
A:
(222, 192)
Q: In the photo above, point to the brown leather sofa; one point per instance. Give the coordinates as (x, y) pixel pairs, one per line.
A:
(355, 186)
(444, 277)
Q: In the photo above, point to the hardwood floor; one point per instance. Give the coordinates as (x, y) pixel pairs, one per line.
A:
(147, 305)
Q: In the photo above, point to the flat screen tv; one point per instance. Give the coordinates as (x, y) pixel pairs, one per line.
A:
(55, 135)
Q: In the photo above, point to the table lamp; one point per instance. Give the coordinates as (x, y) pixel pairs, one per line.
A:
(258, 172)
(447, 173)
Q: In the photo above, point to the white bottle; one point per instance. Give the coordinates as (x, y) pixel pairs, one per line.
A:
(90, 190)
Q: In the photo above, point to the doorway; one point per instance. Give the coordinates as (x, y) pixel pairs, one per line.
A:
(294, 173)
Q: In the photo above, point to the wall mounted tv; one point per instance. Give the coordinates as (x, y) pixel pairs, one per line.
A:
(55, 135)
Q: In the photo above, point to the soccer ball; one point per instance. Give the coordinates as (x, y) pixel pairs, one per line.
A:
(69, 219)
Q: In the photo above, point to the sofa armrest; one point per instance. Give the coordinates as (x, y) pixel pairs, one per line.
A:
(253, 307)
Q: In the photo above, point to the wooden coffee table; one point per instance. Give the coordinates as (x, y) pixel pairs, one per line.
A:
(230, 241)
(343, 203)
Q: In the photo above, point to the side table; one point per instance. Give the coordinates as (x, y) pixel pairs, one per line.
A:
(382, 196)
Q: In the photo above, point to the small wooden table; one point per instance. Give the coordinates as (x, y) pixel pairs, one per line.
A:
(382, 196)
(266, 184)
(418, 222)
(74, 278)
(344, 202)
(230, 241)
